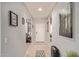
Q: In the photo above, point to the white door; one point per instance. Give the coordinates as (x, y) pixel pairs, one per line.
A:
(40, 32)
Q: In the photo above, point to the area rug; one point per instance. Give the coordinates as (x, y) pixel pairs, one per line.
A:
(40, 53)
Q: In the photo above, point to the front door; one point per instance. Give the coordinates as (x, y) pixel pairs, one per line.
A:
(40, 32)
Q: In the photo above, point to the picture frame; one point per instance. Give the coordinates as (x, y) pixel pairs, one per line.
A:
(13, 18)
(65, 28)
(23, 20)
(47, 26)
(50, 19)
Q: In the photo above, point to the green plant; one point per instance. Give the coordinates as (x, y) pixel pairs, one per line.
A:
(72, 54)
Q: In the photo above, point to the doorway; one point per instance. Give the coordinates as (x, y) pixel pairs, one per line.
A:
(40, 32)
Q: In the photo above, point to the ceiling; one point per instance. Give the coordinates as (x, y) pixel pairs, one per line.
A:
(46, 8)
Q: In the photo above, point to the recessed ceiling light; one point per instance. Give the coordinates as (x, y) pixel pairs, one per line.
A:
(39, 9)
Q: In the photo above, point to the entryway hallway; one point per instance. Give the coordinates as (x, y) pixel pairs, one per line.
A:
(39, 29)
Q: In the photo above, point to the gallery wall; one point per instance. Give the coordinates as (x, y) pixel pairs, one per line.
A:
(48, 30)
(65, 44)
(13, 38)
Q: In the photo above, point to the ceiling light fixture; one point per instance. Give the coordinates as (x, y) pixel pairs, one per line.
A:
(39, 9)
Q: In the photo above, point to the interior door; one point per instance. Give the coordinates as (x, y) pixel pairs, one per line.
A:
(40, 32)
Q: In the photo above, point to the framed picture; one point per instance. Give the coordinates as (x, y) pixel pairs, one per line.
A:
(13, 19)
(47, 26)
(29, 27)
(50, 19)
(23, 20)
(66, 22)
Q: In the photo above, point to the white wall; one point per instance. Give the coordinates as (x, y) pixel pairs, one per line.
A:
(13, 38)
(0, 29)
(63, 43)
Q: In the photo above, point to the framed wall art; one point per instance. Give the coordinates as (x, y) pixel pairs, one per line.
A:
(13, 18)
(47, 26)
(65, 19)
(23, 20)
